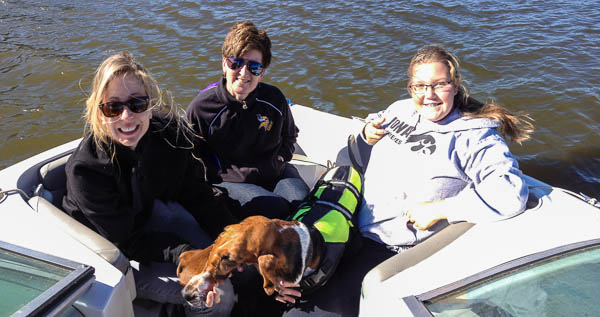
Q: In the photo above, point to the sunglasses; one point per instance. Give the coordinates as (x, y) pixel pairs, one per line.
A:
(255, 68)
(113, 109)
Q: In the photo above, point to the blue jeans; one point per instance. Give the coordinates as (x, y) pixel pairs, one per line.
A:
(158, 281)
(289, 191)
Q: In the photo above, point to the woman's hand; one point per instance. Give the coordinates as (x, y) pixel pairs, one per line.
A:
(287, 294)
(213, 297)
(373, 131)
(426, 214)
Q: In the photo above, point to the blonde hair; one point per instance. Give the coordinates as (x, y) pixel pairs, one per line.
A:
(125, 64)
(517, 126)
(243, 37)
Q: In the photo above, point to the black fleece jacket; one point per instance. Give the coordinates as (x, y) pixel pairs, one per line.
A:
(115, 196)
(245, 137)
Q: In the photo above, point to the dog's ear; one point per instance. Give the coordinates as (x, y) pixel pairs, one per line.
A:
(192, 263)
(267, 265)
(181, 267)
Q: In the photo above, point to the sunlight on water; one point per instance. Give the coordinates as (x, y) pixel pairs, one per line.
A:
(343, 57)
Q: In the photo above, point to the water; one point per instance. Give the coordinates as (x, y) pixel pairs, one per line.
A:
(347, 58)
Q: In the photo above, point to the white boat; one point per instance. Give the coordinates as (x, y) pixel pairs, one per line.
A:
(32, 224)
(38, 226)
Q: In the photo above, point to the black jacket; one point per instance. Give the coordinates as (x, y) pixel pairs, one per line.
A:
(115, 197)
(245, 137)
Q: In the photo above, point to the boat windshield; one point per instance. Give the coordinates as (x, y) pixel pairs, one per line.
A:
(567, 284)
(33, 283)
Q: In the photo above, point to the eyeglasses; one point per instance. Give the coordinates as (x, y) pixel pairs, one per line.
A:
(255, 68)
(113, 109)
(440, 86)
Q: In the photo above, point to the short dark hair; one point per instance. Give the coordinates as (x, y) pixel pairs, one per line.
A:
(243, 37)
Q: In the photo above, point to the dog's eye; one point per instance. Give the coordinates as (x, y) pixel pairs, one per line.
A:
(227, 264)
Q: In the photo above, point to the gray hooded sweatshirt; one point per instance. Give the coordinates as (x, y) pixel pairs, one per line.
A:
(461, 160)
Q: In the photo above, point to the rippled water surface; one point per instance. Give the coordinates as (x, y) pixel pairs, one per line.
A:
(344, 57)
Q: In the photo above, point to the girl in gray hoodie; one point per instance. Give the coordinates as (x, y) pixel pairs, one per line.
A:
(437, 158)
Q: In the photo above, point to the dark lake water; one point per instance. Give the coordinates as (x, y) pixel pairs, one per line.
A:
(344, 57)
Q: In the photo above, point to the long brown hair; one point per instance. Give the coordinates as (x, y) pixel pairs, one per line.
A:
(517, 126)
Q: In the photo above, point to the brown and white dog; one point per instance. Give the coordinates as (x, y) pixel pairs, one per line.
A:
(283, 250)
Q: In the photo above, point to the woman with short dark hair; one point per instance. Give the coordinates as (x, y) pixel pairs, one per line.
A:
(249, 128)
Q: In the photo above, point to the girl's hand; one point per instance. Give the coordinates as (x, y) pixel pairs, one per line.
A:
(373, 131)
(425, 214)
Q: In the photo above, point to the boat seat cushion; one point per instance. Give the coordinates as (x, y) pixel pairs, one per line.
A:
(48, 203)
(92, 240)
(54, 180)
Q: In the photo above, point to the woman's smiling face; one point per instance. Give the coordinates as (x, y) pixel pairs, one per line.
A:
(129, 127)
(240, 82)
(433, 105)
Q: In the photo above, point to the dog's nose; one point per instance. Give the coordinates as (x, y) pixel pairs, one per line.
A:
(189, 296)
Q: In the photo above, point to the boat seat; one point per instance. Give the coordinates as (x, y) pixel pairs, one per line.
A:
(53, 180)
(425, 249)
(309, 171)
(412, 256)
(47, 201)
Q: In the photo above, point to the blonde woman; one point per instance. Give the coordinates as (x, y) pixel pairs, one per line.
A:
(136, 179)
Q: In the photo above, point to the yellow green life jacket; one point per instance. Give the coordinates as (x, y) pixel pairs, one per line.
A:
(331, 208)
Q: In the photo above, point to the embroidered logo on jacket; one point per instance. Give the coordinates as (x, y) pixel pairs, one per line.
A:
(400, 133)
(265, 122)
